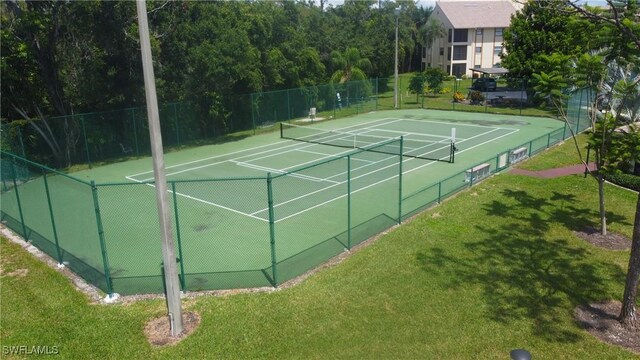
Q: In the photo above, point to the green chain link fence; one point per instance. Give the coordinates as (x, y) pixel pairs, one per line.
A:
(109, 233)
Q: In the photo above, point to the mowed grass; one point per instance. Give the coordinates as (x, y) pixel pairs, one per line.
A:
(492, 269)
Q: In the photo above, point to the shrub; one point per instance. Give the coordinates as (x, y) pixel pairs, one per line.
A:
(628, 181)
(445, 90)
(458, 97)
(475, 97)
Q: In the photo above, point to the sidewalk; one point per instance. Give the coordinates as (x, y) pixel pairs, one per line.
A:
(552, 173)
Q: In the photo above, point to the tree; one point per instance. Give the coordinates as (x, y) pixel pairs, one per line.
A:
(540, 28)
(416, 84)
(619, 33)
(434, 78)
(430, 32)
(350, 66)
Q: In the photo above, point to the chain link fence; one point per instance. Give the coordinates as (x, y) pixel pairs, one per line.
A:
(232, 232)
(89, 138)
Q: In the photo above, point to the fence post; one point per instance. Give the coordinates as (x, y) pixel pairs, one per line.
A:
(530, 147)
(400, 155)
(181, 259)
(272, 232)
(377, 94)
(439, 192)
(177, 122)
(253, 116)
(348, 202)
(288, 106)
(548, 140)
(23, 152)
(53, 222)
(86, 142)
(135, 130)
(15, 187)
(103, 246)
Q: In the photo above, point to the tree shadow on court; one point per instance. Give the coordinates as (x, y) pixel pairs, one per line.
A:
(524, 272)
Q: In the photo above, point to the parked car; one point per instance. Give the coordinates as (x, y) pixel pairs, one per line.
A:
(484, 84)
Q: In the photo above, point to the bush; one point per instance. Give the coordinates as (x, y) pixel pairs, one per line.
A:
(445, 90)
(628, 181)
(475, 97)
(458, 97)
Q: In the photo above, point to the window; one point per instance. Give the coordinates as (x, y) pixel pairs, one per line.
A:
(459, 52)
(448, 69)
(478, 49)
(459, 69)
(479, 32)
(448, 53)
(461, 35)
(497, 50)
(499, 31)
(450, 34)
(441, 51)
(476, 66)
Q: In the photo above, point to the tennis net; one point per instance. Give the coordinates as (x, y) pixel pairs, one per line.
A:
(428, 150)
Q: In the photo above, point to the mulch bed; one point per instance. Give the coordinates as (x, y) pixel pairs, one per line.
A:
(158, 331)
(611, 241)
(601, 321)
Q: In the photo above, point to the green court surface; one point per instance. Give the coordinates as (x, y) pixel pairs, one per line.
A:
(263, 209)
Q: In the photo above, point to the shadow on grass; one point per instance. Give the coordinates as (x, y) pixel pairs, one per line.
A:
(524, 272)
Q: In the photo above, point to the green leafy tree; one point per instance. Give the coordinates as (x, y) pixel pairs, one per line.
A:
(350, 66)
(541, 28)
(416, 84)
(617, 37)
(434, 78)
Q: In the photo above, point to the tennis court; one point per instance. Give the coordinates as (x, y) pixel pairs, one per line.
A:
(264, 209)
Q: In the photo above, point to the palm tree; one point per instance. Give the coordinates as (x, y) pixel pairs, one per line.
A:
(350, 66)
(431, 31)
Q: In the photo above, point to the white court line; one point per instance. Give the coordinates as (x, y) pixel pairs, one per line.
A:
(240, 151)
(404, 133)
(337, 183)
(278, 171)
(213, 204)
(387, 179)
(455, 124)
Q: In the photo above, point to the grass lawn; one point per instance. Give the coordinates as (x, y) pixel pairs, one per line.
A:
(445, 101)
(495, 268)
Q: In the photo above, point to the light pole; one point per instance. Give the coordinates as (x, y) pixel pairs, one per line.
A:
(395, 86)
(164, 212)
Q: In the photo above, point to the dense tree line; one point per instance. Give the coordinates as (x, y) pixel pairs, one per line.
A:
(60, 58)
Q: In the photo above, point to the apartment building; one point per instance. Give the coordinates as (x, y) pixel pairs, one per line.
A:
(474, 35)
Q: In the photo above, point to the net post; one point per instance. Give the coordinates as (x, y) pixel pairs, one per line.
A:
(281, 131)
(183, 282)
(348, 202)
(272, 233)
(439, 192)
(103, 246)
(53, 221)
(15, 186)
(400, 157)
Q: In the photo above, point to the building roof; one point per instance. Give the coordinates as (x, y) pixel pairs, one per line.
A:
(491, 71)
(477, 14)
